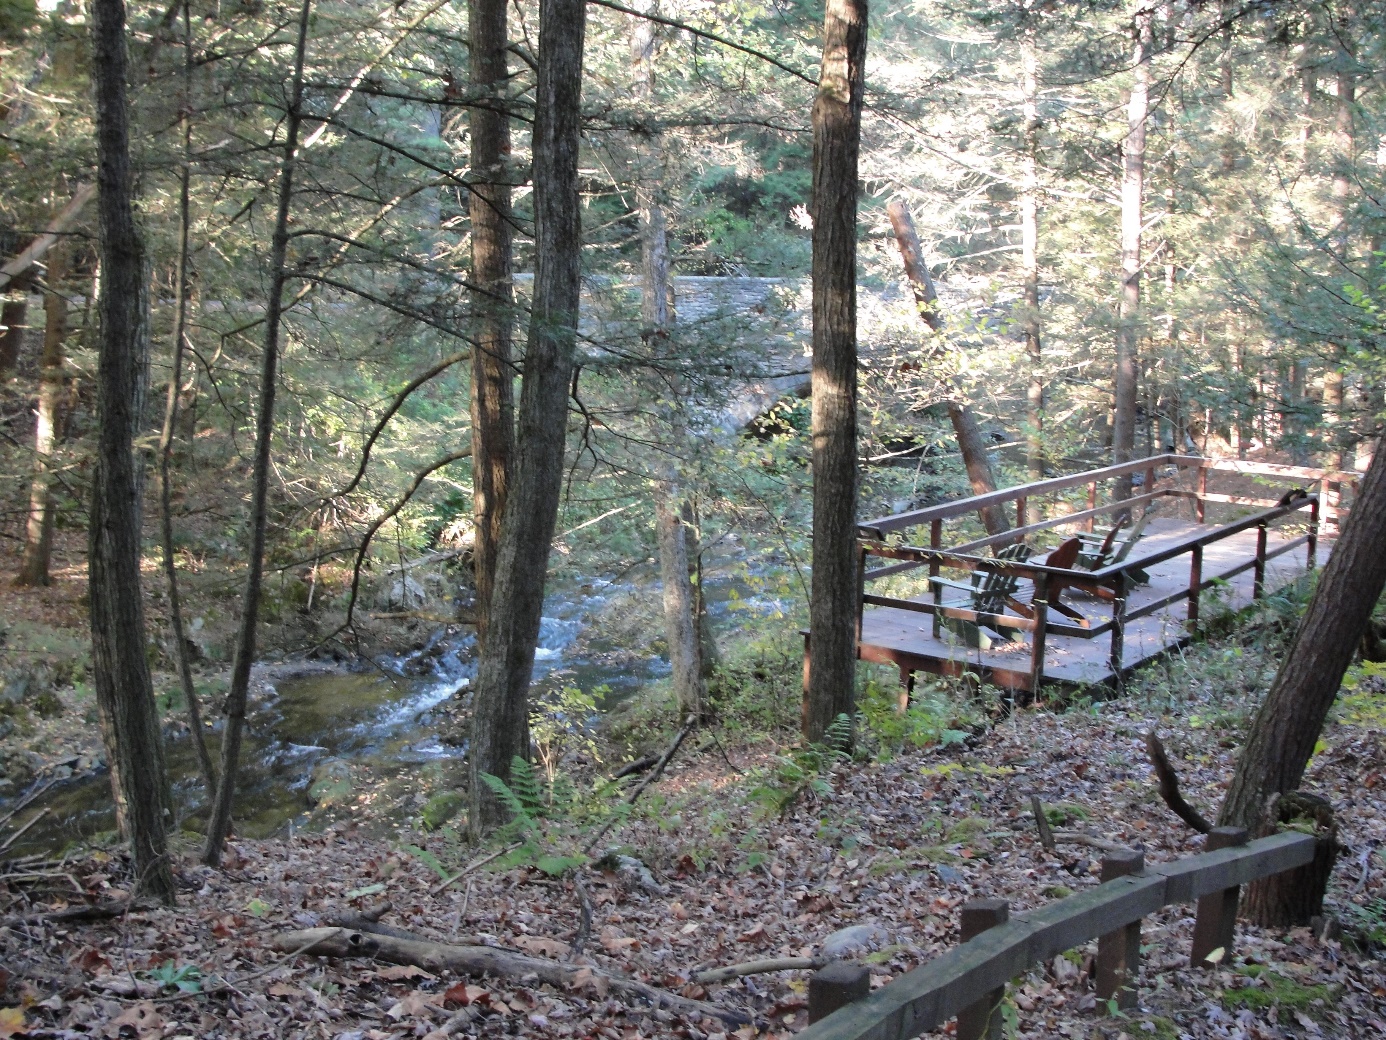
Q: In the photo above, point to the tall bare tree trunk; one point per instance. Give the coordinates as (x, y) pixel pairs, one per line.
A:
(680, 628)
(492, 399)
(971, 445)
(500, 718)
(124, 697)
(38, 540)
(1287, 726)
(1029, 253)
(1132, 215)
(219, 825)
(175, 377)
(1335, 421)
(836, 145)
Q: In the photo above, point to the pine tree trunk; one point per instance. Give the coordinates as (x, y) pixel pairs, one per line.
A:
(1132, 216)
(219, 825)
(680, 628)
(836, 144)
(38, 540)
(120, 667)
(500, 719)
(175, 377)
(971, 445)
(1287, 726)
(1029, 255)
(492, 398)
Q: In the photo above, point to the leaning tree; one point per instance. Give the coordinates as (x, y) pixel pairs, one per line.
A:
(1263, 792)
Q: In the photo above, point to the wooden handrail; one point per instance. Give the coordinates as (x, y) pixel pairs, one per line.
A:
(882, 526)
(932, 993)
(963, 506)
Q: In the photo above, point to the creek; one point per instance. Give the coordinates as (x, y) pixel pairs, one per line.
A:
(311, 729)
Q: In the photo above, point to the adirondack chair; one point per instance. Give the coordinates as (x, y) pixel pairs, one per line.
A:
(1103, 551)
(1065, 557)
(989, 592)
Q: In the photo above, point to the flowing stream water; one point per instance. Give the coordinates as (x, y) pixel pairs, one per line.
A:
(311, 724)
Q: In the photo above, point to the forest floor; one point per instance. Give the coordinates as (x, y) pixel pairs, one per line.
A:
(872, 862)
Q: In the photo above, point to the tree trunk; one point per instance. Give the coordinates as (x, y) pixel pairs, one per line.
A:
(969, 435)
(13, 317)
(680, 629)
(709, 658)
(120, 667)
(180, 316)
(492, 398)
(1288, 724)
(219, 825)
(1029, 254)
(1132, 192)
(1335, 419)
(38, 540)
(836, 144)
(500, 719)
(680, 632)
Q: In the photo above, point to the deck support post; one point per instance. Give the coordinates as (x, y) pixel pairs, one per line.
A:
(1313, 554)
(1119, 951)
(1195, 584)
(982, 1020)
(935, 544)
(1020, 512)
(1258, 581)
(836, 985)
(1217, 912)
(1118, 628)
(1092, 503)
(1202, 490)
(1040, 603)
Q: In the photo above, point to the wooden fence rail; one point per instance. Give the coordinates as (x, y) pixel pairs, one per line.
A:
(966, 981)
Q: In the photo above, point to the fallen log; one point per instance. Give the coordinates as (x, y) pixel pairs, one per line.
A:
(736, 971)
(486, 960)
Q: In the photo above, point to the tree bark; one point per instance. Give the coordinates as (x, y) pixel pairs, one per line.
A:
(500, 720)
(1288, 724)
(492, 398)
(175, 377)
(219, 825)
(1132, 215)
(38, 540)
(13, 316)
(1029, 254)
(836, 145)
(680, 628)
(120, 667)
(971, 444)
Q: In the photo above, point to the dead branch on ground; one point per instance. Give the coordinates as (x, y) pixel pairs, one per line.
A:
(1169, 785)
(486, 960)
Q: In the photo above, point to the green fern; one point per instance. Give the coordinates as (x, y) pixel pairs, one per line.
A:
(529, 787)
(522, 822)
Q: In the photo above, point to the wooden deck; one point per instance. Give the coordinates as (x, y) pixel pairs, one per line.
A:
(905, 638)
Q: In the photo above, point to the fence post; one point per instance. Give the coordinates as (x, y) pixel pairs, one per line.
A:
(1195, 584)
(836, 985)
(1119, 951)
(1040, 602)
(982, 1018)
(1217, 911)
(1258, 580)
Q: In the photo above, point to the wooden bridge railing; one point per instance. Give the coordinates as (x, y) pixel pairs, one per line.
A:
(969, 981)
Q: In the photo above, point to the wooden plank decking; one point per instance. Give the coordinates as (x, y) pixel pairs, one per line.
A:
(905, 638)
